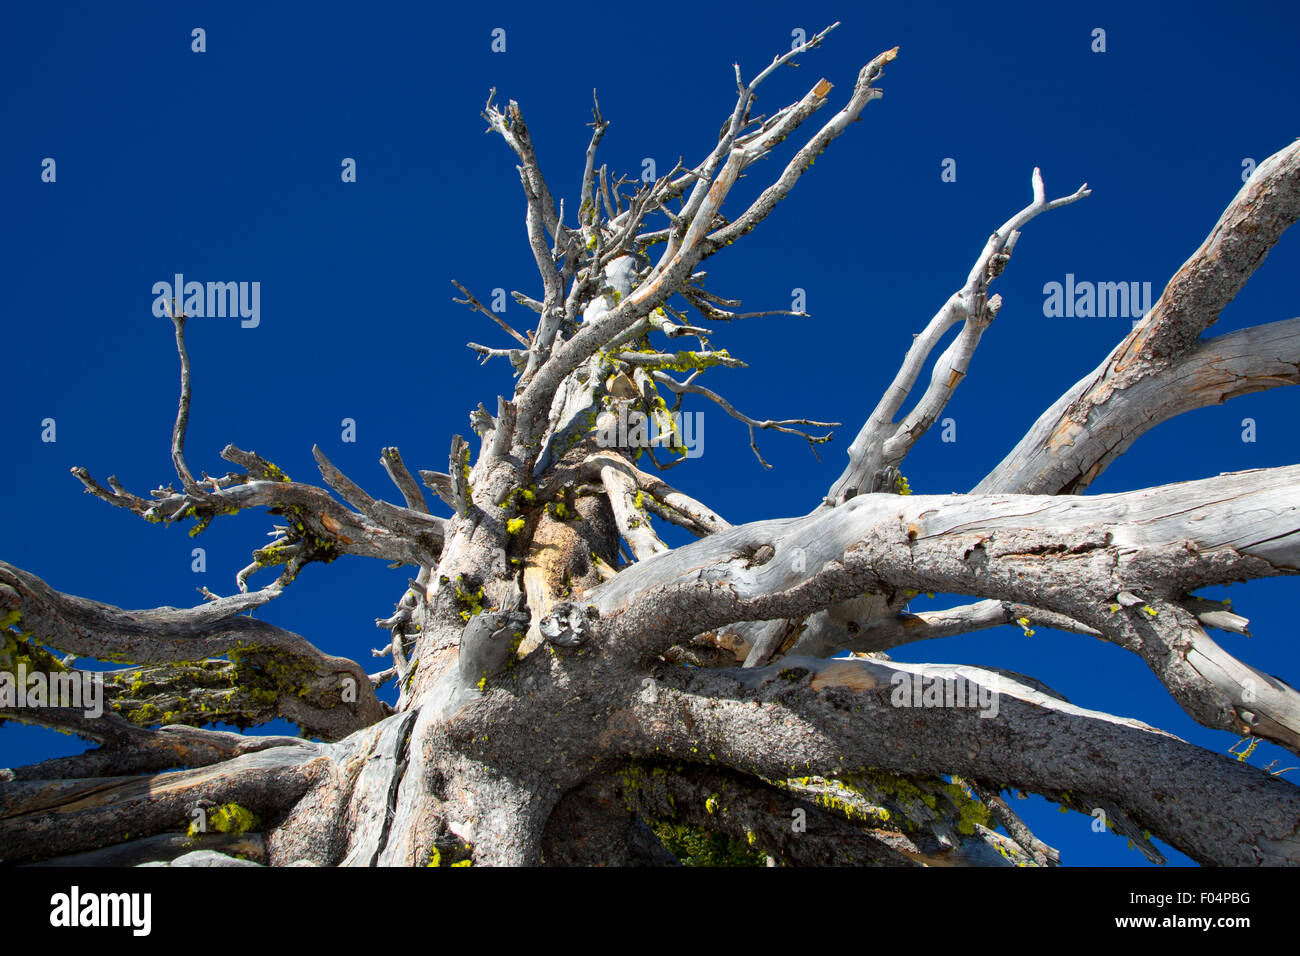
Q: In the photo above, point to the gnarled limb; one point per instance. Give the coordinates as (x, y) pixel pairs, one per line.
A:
(813, 716)
(130, 749)
(1101, 415)
(1091, 425)
(330, 695)
(328, 527)
(42, 818)
(319, 528)
(1164, 542)
(882, 442)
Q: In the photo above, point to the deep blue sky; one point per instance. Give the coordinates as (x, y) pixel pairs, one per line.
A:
(225, 165)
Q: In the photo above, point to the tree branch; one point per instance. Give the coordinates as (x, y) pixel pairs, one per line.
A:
(839, 717)
(1067, 555)
(882, 443)
(1062, 451)
(44, 818)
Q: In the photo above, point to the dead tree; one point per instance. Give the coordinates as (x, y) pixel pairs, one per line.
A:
(573, 690)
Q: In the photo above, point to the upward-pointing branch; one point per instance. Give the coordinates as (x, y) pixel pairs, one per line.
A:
(882, 443)
(182, 411)
(1074, 440)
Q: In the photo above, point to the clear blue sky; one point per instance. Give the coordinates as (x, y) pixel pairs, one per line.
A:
(225, 165)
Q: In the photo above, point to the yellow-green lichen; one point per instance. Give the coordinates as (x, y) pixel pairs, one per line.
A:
(470, 601)
(228, 818)
(694, 846)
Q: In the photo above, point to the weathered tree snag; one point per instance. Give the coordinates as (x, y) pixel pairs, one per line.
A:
(571, 689)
